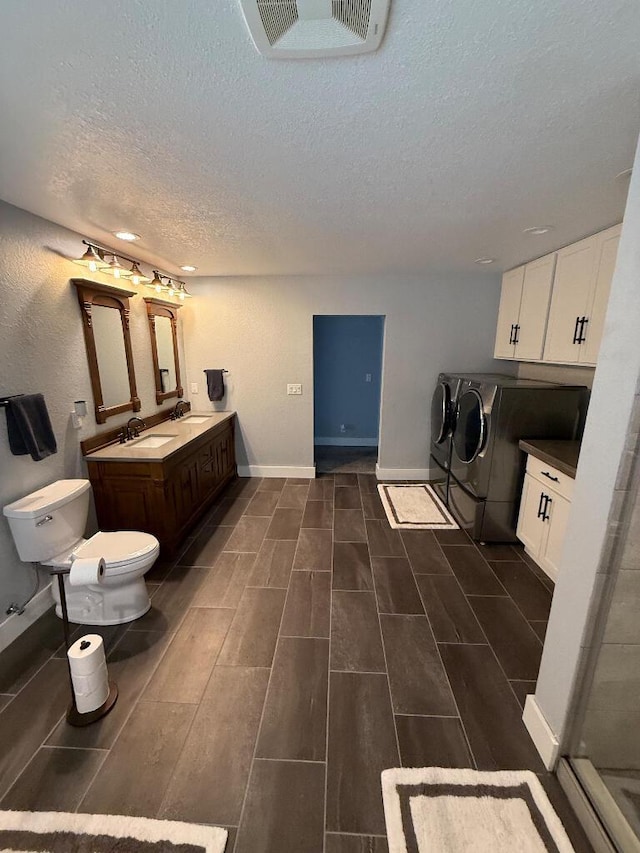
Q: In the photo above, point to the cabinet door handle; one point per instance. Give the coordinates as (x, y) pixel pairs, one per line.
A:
(540, 510)
(511, 334)
(516, 333)
(575, 331)
(547, 474)
(581, 336)
(547, 503)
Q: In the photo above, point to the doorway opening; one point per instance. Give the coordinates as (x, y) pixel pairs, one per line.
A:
(347, 383)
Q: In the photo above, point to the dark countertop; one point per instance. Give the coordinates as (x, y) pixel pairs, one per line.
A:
(563, 455)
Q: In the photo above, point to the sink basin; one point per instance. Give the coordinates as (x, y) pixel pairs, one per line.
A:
(153, 441)
(197, 419)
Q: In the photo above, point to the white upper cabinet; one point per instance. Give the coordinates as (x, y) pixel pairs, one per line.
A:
(553, 309)
(606, 265)
(580, 295)
(509, 312)
(524, 307)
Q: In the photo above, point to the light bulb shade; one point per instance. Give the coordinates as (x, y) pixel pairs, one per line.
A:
(156, 281)
(91, 259)
(183, 293)
(116, 269)
(136, 276)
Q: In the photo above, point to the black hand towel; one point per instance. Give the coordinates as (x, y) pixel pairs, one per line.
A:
(215, 384)
(29, 427)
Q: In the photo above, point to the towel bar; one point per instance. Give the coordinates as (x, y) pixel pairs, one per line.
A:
(4, 401)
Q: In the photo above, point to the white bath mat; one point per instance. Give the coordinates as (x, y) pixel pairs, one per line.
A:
(415, 506)
(437, 810)
(44, 832)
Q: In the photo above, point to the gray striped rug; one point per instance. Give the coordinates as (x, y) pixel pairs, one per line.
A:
(438, 810)
(61, 832)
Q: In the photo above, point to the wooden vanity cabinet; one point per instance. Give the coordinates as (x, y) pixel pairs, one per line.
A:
(165, 498)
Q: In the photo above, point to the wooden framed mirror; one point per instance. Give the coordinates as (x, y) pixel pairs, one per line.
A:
(105, 321)
(163, 327)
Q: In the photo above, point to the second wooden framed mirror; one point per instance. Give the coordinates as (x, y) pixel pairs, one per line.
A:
(163, 327)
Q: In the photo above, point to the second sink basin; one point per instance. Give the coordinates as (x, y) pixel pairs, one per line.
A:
(153, 441)
(197, 419)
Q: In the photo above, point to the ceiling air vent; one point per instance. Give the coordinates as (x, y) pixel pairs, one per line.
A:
(301, 29)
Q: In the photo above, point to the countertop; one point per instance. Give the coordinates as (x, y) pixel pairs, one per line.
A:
(563, 455)
(182, 431)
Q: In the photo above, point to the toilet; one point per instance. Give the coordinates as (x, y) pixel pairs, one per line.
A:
(48, 526)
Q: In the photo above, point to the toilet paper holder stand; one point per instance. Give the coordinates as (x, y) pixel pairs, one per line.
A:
(74, 717)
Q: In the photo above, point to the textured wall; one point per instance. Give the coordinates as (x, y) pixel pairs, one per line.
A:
(42, 349)
(261, 330)
(345, 350)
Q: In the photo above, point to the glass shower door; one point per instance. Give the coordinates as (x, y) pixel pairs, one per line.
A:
(605, 748)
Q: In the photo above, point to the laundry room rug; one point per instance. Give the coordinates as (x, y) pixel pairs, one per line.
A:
(55, 832)
(415, 506)
(437, 810)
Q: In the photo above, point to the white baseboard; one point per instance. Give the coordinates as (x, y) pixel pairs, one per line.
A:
(404, 473)
(543, 738)
(346, 442)
(15, 624)
(275, 471)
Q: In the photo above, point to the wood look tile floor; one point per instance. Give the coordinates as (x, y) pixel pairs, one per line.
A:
(296, 648)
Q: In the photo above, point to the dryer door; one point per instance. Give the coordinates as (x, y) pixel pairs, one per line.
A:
(441, 413)
(471, 427)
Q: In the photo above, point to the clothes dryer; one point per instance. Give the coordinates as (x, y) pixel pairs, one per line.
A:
(487, 466)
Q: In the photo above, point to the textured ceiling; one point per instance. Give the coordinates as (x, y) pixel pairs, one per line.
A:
(474, 120)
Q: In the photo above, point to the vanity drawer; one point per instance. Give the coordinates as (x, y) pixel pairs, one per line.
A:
(550, 476)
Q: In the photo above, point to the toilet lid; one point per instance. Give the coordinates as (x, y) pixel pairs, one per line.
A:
(118, 549)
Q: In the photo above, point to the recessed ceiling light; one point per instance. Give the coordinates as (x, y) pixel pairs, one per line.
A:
(538, 230)
(485, 261)
(626, 173)
(126, 235)
(188, 268)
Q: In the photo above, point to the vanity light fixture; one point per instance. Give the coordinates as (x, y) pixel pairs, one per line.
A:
(129, 236)
(171, 286)
(484, 261)
(101, 259)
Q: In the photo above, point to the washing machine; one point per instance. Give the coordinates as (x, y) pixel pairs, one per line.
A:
(487, 466)
(443, 411)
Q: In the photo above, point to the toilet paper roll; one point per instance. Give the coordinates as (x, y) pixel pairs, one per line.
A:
(86, 570)
(87, 702)
(86, 655)
(85, 684)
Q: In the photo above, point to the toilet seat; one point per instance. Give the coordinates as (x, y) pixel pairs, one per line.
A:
(121, 550)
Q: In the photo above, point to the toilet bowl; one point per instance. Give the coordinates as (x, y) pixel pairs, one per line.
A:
(47, 527)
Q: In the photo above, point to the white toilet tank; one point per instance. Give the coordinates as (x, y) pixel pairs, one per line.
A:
(49, 521)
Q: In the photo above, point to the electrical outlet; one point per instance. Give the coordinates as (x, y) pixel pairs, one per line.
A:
(294, 389)
(367, 377)
(194, 387)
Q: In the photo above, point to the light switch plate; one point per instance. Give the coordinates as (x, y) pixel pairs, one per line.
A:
(294, 389)
(194, 387)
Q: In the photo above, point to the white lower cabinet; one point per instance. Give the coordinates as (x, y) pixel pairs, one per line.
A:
(544, 513)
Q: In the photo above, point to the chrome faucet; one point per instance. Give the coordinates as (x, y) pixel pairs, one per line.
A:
(133, 431)
(178, 411)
